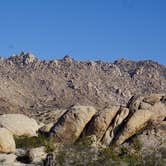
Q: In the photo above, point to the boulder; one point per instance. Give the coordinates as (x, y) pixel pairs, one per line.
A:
(20, 152)
(7, 158)
(153, 137)
(10, 160)
(144, 109)
(159, 111)
(19, 124)
(134, 102)
(7, 143)
(114, 127)
(153, 98)
(145, 101)
(28, 58)
(135, 124)
(49, 118)
(71, 124)
(46, 128)
(36, 155)
(101, 122)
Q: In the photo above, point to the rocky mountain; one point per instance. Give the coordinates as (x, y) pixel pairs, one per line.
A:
(67, 112)
(28, 83)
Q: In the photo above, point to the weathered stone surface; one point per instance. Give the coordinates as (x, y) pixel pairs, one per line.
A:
(71, 124)
(49, 118)
(23, 58)
(145, 101)
(154, 136)
(10, 160)
(7, 158)
(46, 128)
(159, 111)
(134, 102)
(114, 127)
(153, 98)
(19, 124)
(20, 152)
(36, 155)
(144, 109)
(7, 143)
(101, 122)
(134, 125)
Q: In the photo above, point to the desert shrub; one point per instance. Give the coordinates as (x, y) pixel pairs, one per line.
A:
(76, 155)
(137, 144)
(153, 159)
(33, 142)
(132, 160)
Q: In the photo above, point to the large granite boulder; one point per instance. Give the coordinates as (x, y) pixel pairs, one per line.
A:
(144, 109)
(71, 124)
(19, 124)
(135, 124)
(115, 126)
(7, 143)
(101, 122)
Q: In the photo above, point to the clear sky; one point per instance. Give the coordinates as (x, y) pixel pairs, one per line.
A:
(86, 29)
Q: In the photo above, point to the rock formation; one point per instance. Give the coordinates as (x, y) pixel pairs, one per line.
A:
(144, 109)
(19, 124)
(68, 101)
(69, 127)
(36, 85)
(7, 144)
(101, 122)
(144, 116)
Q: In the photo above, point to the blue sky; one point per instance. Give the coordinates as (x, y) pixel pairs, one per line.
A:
(86, 29)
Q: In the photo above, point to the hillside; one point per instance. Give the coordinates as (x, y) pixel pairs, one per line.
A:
(29, 83)
(68, 112)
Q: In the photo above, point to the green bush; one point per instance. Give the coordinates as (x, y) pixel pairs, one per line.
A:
(33, 142)
(137, 144)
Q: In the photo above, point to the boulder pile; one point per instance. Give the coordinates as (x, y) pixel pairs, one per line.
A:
(115, 124)
(15, 125)
(109, 126)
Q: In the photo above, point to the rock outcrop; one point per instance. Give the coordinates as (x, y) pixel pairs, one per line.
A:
(36, 155)
(49, 118)
(114, 124)
(7, 159)
(144, 109)
(19, 124)
(143, 117)
(114, 127)
(101, 122)
(7, 143)
(58, 84)
(23, 58)
(69, 127)
(45, 91)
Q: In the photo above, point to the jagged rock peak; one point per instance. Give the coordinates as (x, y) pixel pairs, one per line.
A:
(68, 59)
(23, 58)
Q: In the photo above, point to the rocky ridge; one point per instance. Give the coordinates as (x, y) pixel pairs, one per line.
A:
(27, 82)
